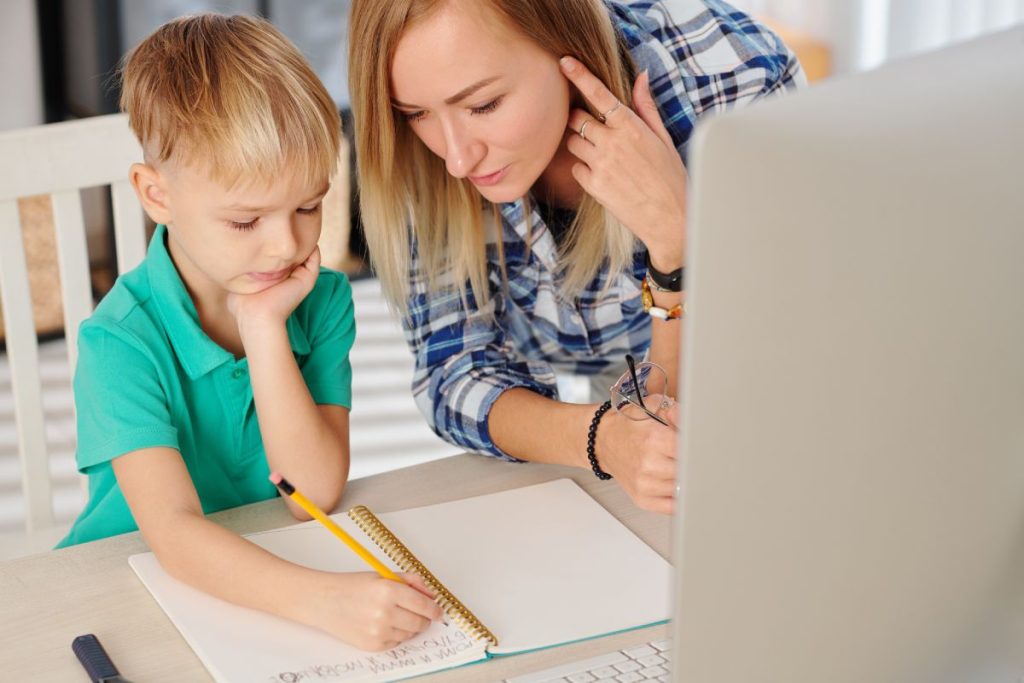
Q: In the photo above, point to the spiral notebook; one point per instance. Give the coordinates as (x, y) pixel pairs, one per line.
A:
(515, 571)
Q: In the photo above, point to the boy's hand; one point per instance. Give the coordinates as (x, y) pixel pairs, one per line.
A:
(273, 305)
(370, 612)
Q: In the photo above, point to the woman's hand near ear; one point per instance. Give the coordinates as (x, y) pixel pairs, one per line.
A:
(630, 165)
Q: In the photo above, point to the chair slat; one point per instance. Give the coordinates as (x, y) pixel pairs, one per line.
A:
(129, 226)
(75, 278)
(23, 352)
(66, 156)
(73, 256)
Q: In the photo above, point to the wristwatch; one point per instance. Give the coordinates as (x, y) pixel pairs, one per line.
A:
(674, 313)
(665, 282)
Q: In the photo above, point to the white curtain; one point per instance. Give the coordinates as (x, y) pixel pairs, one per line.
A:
(866, 33)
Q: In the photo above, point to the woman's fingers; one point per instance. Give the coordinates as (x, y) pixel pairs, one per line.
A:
(593, 131)
(647, 109)
(584, 176)
(583, 150)
(658, 468)
(592, 89)
(662, 505)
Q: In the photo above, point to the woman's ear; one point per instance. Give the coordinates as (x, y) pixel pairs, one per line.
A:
(151, 190)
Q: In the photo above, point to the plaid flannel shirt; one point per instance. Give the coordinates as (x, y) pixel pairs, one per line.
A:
(703, 56)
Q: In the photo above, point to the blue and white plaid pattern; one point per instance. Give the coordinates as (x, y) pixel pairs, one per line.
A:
(703, 56)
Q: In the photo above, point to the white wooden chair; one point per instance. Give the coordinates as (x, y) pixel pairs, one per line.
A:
(57, 160)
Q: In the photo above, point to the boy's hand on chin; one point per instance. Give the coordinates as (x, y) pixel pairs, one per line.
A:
(273, 305)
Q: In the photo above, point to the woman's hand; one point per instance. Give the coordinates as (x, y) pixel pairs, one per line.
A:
(629, 164)
(273, 305)
(641, 455)
(370, 612)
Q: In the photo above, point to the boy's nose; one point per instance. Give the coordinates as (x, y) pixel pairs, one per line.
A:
(283, 244)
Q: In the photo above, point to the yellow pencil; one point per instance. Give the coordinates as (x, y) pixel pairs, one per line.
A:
(306, 504)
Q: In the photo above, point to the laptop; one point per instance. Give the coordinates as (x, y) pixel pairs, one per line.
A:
(851, 503)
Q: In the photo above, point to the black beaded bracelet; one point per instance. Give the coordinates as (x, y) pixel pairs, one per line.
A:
(592, 437)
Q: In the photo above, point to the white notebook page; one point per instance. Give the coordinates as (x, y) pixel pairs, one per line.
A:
(541, 565)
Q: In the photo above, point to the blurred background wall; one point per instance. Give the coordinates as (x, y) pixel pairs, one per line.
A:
(58, 54)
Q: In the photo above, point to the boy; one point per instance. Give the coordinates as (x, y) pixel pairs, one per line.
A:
(225, 354)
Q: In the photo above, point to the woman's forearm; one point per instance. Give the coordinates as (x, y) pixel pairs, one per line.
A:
(532, 427)
(639, 454)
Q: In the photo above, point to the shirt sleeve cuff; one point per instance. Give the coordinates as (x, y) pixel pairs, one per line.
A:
(126, 442)
(331, 394)
(462, 415)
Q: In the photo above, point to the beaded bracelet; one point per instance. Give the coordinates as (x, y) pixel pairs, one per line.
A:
(592, 437)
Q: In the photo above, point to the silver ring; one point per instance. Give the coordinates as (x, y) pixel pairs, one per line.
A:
(611, 111)
(583, 129)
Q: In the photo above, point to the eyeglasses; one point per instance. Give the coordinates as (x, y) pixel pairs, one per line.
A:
(641, 392)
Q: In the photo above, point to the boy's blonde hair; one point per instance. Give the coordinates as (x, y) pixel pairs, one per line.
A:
(231, 95)
(401, 181)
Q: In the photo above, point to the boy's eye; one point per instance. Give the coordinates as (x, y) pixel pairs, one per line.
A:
(243, 226)
(311, 210)
(487, 108)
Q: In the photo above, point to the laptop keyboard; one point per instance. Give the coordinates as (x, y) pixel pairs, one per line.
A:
(648, 662)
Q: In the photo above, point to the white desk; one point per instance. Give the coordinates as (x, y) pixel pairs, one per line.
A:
(46, 600)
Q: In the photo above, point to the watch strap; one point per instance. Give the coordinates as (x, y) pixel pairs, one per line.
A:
(666, 282)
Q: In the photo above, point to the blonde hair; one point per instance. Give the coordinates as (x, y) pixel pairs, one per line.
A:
(232, 94)
(402, 182)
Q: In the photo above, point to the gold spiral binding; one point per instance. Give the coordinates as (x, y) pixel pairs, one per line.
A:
(403, 557)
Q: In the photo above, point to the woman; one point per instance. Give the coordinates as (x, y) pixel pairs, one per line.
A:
(521, 178)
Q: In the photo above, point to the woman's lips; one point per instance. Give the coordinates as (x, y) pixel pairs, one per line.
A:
(490, 178)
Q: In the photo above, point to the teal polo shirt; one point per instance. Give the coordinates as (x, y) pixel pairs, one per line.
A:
(148, 375)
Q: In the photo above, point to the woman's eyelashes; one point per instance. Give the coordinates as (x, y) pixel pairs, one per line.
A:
(249, 225)
(413, 116)
(487, 108)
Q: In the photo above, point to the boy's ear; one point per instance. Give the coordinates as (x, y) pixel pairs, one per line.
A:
(150, 188)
